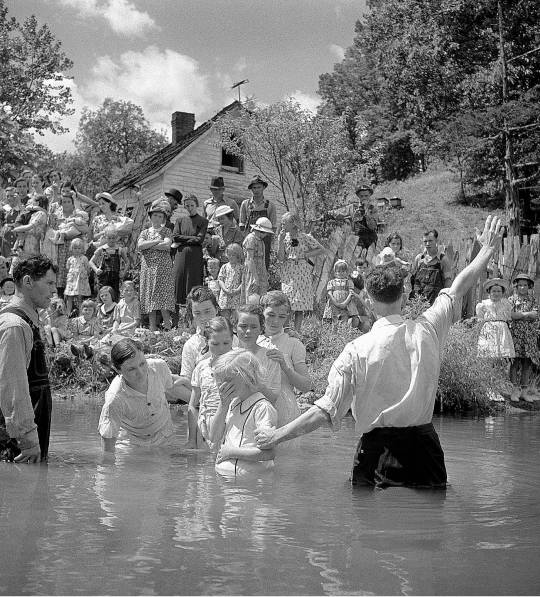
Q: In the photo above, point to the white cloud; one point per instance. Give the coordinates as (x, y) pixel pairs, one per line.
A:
(337, 51)
(306, 100)
(159, 82)
(122, 16)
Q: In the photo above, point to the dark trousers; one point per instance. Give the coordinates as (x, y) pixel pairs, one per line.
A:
(394, 456)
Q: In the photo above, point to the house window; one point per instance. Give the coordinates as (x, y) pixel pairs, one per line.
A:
(231, 162)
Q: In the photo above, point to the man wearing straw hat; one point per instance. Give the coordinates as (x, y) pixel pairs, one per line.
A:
(388, 378)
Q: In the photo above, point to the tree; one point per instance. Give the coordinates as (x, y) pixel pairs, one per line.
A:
(113, 137)
(305, 156)
(32, 74)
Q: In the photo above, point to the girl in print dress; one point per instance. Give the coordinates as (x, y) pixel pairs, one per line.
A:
(495, 340)
(524, 329)
(294, 249)
(230, 280)
(106, 309)
(78, 268)
(340, 304)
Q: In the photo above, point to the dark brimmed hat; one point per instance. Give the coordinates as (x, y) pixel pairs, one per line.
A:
(217, 183)
(107, 197)
(364, 187)
(495, 282)
(175, 194)
(257, 179)
(523, 276)
(160, 206)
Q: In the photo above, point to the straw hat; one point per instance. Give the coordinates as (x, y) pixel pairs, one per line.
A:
(488, 284)
(263, 225)
(223, 210)
(523, 276)
(107, 196)
(160, 206)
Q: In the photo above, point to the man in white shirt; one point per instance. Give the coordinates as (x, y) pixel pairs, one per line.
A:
(389, 377)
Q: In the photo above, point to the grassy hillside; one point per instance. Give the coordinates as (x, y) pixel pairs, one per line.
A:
(428, 202)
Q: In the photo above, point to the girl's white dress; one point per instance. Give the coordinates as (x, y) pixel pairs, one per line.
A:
(495, 339)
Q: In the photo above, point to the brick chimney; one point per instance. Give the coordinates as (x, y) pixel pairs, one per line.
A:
(182, 124)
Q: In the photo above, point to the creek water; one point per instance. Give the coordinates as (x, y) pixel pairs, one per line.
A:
(161, 522)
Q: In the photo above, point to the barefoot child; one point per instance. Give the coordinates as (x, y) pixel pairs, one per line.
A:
(78, 268)
(85, 329)
(339, 305)
(289, 352)
(241, 410)
(524, 330)
(230, 280)
(127, 315)
(204, 394)
(55, 323)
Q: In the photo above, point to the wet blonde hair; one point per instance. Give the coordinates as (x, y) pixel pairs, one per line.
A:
(238, 363)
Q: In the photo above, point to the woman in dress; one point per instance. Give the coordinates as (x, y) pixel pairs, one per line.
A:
(495, 340)
(103, 220)
(188, 237)
(295, 250)
(69, 223)
(156, 281)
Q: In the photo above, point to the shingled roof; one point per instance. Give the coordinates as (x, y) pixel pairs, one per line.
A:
(156, 161)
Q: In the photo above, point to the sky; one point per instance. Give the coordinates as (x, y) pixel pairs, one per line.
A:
(169, 55)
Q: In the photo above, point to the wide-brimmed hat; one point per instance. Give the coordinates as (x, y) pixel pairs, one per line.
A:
(495, 282)
(257, 179)
(107, 197)
(217, 183)
(263, 225)
(223, 210)
(364, 187)
(175, 194)
(523, 276)
(160, 206)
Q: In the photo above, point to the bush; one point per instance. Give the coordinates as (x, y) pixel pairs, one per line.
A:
(465, 380)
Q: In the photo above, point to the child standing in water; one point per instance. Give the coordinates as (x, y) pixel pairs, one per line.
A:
(78, 268)
(524, 335)
(204, 394)
(288, 352)
(230, 280)
(495, 340)
(241, 410)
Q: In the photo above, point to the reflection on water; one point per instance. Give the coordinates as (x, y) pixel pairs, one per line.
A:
(161, 522)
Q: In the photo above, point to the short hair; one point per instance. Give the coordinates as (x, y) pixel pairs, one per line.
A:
(238, 363)
(108, 289)
(76, 241)
(361, 261)
(395, 236)
(191, 197)
(89, 303)
(432, 231)
(199, 294)
(293, 217)
(275, 298)
(42, 201)
(385, 284)
(40, 176)
(216, 325)
(128, 284)
(110, 230)
(35, 267)
(234, 249)
(67, 184)
(124, 350)
(212, 260)
(8, 279)
(20, 180)
(340, 265)
(9, 188)
(256, 310)
(51, 172)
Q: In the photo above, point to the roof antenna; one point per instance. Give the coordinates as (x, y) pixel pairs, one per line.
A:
(238, 85)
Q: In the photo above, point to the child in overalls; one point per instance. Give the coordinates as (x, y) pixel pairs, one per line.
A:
(109, 261)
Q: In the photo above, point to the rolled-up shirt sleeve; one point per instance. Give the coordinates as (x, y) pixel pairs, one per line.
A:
(340, 392)
(15, 402)
(110, 420)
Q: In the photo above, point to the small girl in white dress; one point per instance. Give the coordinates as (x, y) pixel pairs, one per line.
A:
(495, 339)
(78, 268)
(230, 280)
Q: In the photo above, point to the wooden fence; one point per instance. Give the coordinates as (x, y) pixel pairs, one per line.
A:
(517, 254)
